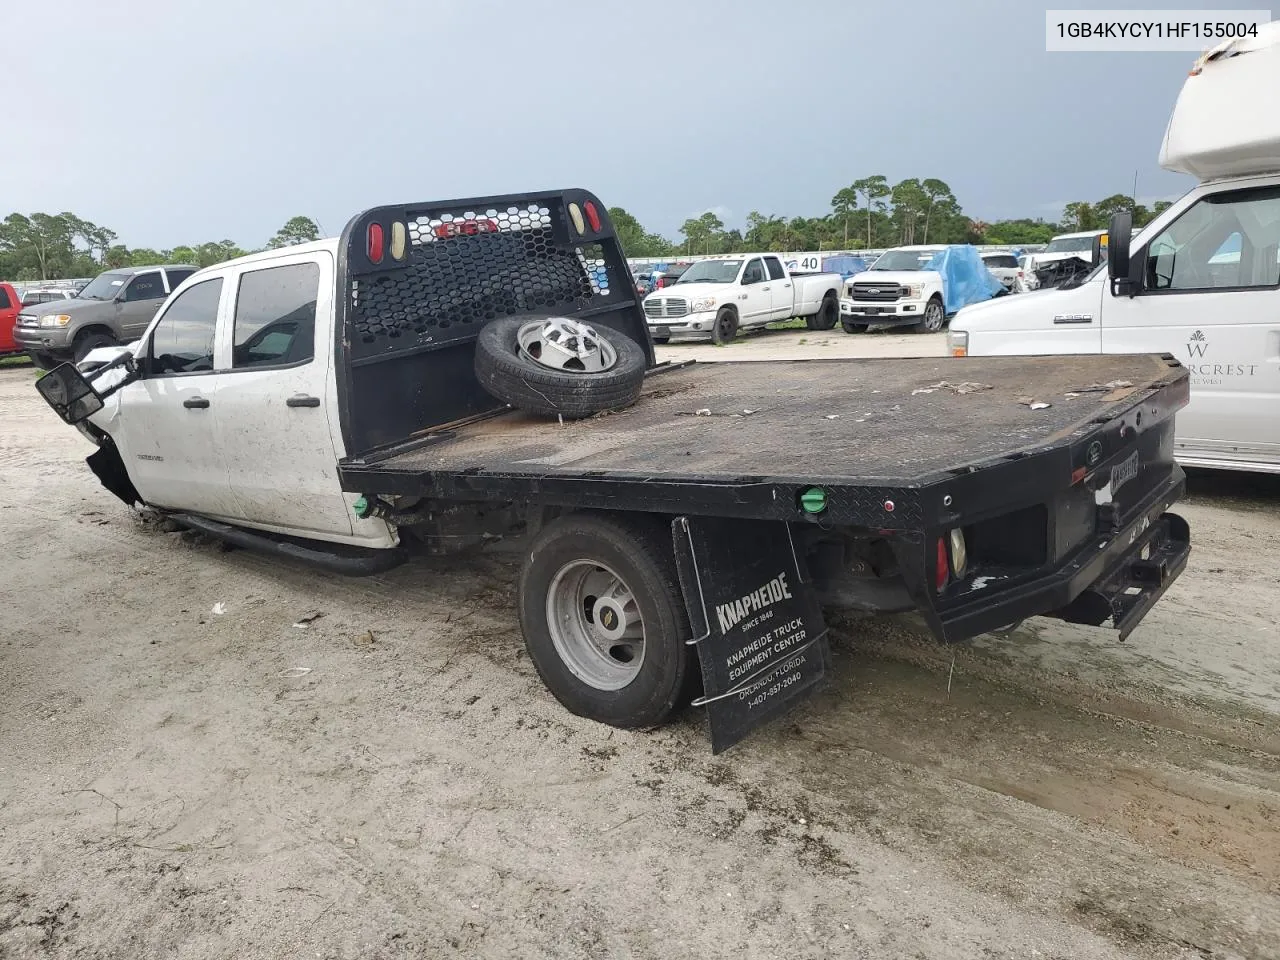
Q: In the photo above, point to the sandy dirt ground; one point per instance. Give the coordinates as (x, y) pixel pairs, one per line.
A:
(389, 779)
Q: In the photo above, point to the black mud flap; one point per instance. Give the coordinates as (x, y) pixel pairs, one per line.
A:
(106, 464)
(1128, 590)
(757, 624)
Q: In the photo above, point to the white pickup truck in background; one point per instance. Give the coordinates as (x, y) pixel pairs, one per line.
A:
(1201, 281)
(719, 296)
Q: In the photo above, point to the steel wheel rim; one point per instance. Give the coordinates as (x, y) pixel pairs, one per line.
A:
(595, 625)
(560, 343)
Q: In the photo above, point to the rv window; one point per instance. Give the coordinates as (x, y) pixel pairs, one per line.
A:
(1227, 240)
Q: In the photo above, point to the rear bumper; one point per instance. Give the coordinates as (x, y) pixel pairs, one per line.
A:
(1116, 577)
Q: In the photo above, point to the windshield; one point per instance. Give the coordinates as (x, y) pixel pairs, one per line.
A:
(104, 286)
(904, 259)
(1070, 245)
(711, 271)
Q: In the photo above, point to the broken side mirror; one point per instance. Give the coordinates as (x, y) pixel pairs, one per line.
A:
(1122, 269)
(66, 390)
(71, 394)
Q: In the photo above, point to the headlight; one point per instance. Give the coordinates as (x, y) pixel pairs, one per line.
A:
(913, 291)
(54, 320)
(701, 306)
(959, 553)
(958, 343)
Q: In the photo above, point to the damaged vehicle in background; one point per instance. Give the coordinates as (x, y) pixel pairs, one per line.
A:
(441, 374)
(917, 286)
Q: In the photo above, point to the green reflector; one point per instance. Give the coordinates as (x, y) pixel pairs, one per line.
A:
(813, 500)
(361, 508)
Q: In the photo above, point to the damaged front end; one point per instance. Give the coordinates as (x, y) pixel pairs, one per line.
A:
(73, 396)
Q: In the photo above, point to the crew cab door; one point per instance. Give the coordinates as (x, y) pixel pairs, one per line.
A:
(166, 419)
(781, 289)
(755, 302)
(137, 303)
(276, 397)
(1211, 296)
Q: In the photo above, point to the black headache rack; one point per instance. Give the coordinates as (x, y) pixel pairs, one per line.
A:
(416, 282)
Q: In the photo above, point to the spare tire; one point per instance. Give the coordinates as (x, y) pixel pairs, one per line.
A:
(562, 367)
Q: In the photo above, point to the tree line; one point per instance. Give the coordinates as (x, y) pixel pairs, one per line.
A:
(871, 213)
(44, 246)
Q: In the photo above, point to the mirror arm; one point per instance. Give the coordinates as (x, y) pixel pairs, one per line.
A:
(124, 360)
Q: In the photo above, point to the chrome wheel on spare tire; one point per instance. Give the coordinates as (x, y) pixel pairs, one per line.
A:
(595, 624)
(564, 344)
(558, 366)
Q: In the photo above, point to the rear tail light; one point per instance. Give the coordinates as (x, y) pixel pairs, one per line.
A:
(374, 243)
(943, 572)
(593, 215)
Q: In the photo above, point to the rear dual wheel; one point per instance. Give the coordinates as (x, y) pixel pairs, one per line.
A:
(827, 316)
(604, 621)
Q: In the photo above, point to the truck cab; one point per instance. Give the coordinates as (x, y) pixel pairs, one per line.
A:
(1201, 281)
(246, 342)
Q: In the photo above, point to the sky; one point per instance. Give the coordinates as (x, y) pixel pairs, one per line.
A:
(179, 122)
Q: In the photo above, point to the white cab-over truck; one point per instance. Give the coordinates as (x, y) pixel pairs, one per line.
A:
(1201, 281)
(719, 296)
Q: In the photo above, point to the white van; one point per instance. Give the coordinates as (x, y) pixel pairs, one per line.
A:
(1201, 281)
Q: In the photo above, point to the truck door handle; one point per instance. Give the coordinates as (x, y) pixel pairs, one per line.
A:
(764, 288)
(302, 401)
(195, 403)
(786, 286)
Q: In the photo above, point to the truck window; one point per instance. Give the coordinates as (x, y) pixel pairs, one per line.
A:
(754, 273)
(5, 302)
(275, 321)
(1227, 240)
(775, 268)
(145, 286)
(182, 341)
(176, 277)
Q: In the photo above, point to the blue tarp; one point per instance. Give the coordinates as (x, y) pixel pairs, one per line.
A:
(845, 266)
(965, 278)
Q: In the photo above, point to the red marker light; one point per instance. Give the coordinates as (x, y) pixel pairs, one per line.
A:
(375, 243)
(943, 572)
(593, 216)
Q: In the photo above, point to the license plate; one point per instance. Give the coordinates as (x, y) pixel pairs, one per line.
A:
(1122, 473)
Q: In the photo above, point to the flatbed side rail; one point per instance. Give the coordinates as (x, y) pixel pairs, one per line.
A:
(416, 282)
